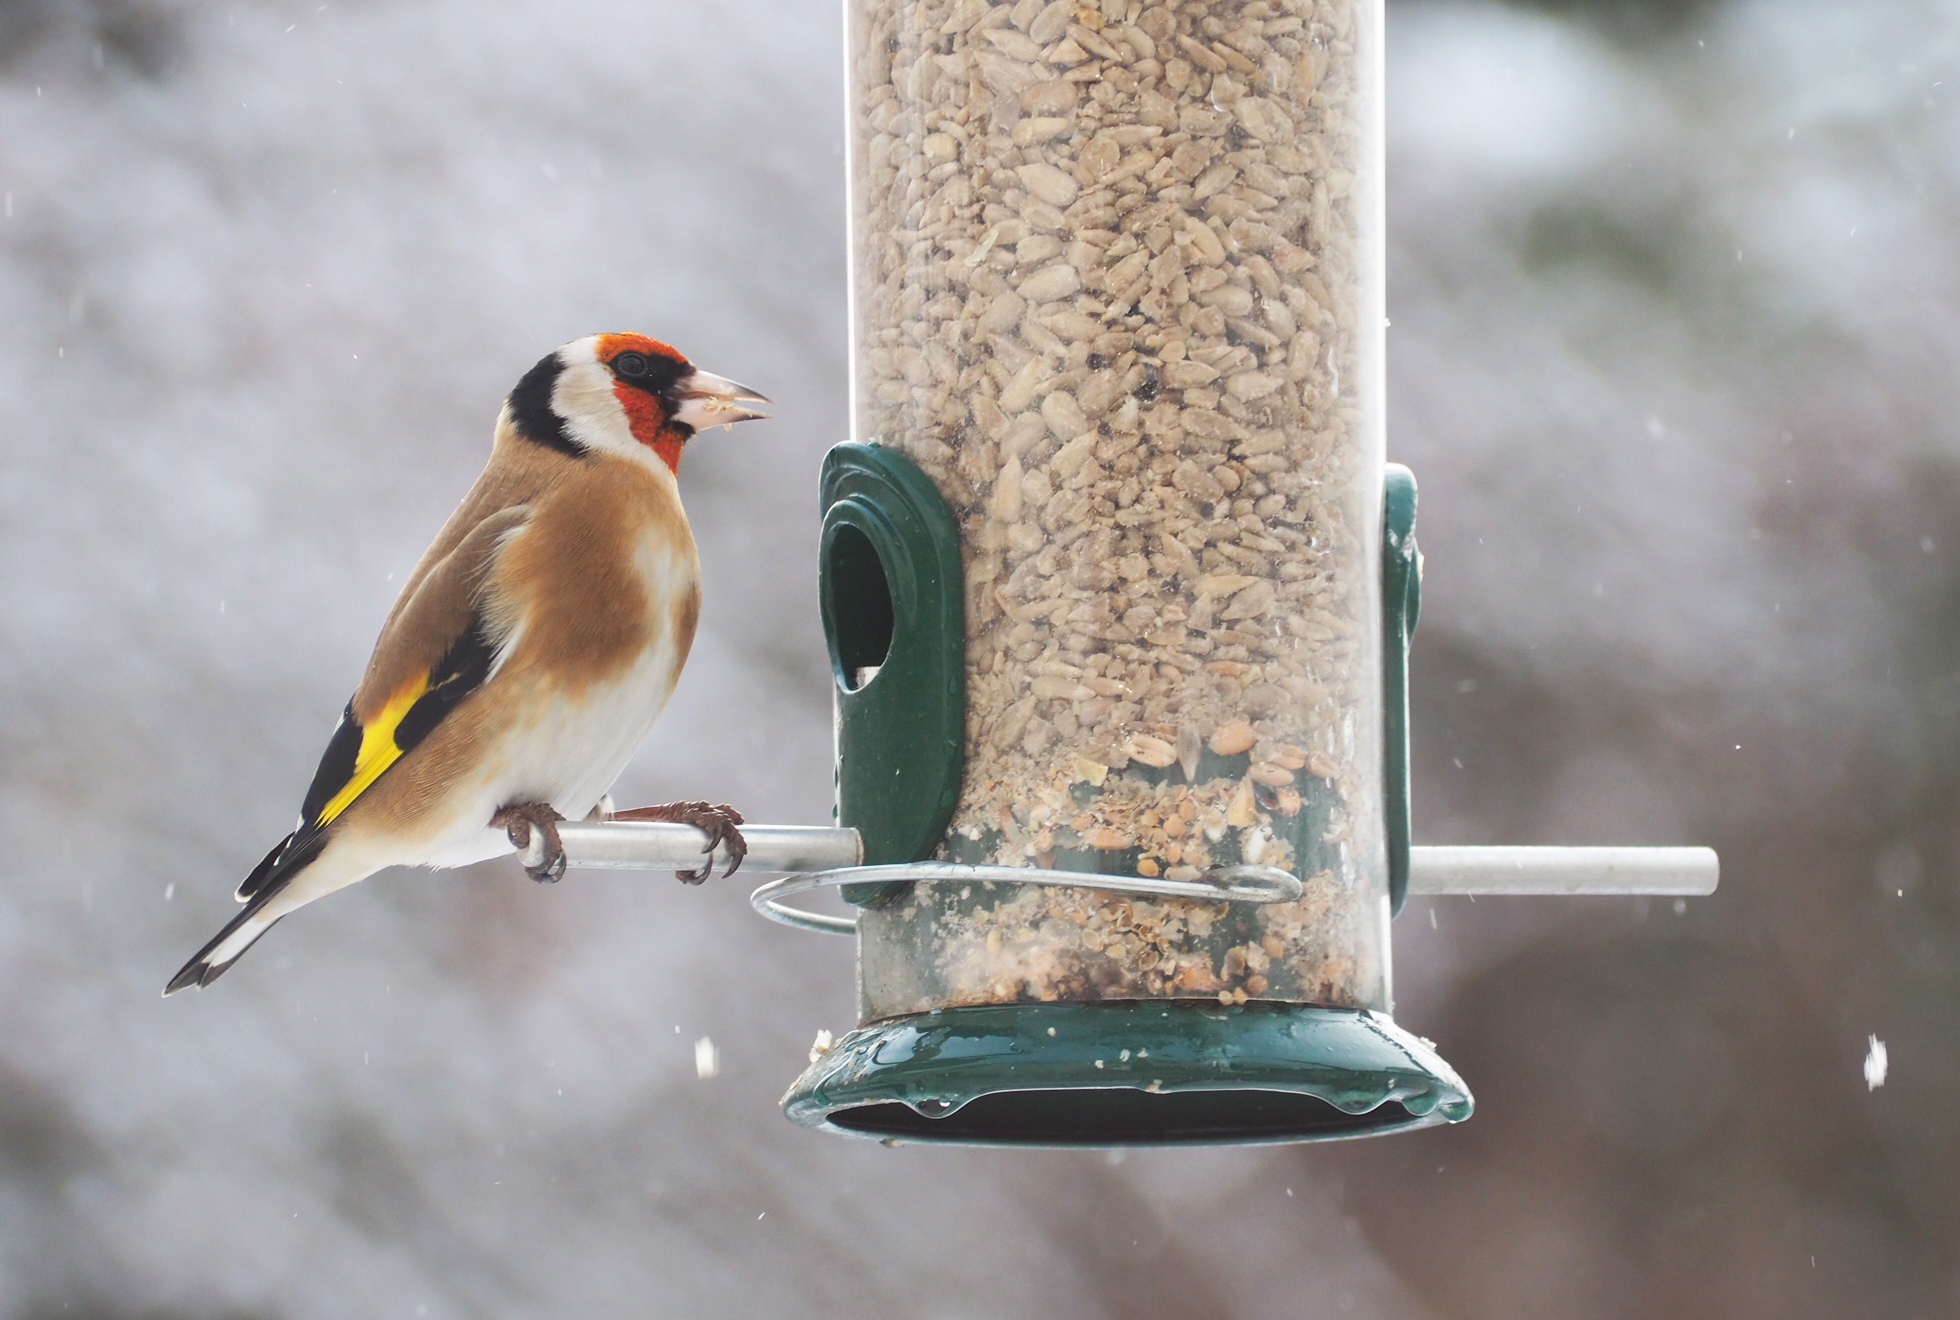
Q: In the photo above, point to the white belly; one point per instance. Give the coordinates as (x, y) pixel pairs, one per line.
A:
(566, 750)
(566, 753)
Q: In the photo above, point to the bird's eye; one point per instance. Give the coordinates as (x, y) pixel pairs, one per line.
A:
(630, 364)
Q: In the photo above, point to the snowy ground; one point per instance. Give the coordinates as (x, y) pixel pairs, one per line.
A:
(1673, 354)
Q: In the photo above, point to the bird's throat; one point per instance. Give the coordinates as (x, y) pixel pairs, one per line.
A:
(649, 424)
(668, 446)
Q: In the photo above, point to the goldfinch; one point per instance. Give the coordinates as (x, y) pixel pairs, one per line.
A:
(531, 650)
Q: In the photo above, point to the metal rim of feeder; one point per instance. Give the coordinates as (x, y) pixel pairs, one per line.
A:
(1131, 1073)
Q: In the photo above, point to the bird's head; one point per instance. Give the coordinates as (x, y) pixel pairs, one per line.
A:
(625, 395)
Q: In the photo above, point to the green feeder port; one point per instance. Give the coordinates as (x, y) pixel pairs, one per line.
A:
(888, 584)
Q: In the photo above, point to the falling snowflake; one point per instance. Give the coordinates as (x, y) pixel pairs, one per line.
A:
(707, 1059)
(1875, 1064)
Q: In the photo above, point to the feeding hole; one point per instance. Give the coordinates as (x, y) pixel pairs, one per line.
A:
(860, 608)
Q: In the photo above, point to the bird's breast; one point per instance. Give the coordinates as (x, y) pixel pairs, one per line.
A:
(608, 592)
(604, 580)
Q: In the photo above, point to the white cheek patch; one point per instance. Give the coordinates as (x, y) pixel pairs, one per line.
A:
(593, 414)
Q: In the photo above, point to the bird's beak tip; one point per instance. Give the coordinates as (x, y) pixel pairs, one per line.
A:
(710, 400)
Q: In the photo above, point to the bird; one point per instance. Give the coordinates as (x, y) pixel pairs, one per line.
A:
(529, 653)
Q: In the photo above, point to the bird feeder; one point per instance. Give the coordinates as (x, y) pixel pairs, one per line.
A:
(1118, 589)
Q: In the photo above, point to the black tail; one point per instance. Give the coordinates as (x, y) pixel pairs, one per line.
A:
(210, 963)
(267, 879)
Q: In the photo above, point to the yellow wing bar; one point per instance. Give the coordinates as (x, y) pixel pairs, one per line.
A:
(378, 750)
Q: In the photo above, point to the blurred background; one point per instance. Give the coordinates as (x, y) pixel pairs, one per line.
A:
(1674, 290)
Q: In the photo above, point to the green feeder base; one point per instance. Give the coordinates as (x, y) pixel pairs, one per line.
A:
(1170, 1073)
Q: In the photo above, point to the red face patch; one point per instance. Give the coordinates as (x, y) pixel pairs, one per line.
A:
(611, 346)
(644, 413)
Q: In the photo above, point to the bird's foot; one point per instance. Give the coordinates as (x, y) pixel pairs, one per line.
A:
(718, 821)
(519, 821)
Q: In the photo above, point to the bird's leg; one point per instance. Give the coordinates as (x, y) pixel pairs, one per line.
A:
(719, 822)
(518, 821)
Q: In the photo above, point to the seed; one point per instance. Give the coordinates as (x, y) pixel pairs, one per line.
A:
(1252, 601)
(1263, 119)
(1207, 245)
(1233, 738)
(1100, 158)
(1048, 183)
(1241, 812)
(1051, 22)
(1050, 98)
(1014, 45)
(1066, 53)
(1190, 747)
(1020, 391)
(1063, 415)
(1033, 132)
(1006, 505)
(1185, 375)
(1216, 585)
(1049, 283)
(1250, 385)
(1037, 248)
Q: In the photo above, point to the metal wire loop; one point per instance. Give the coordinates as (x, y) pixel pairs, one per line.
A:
(1231, 884)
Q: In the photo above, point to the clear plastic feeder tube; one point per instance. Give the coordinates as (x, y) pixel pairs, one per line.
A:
(1117, 289)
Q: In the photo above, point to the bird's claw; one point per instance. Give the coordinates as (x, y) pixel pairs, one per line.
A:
(720, 822)
(519, 822)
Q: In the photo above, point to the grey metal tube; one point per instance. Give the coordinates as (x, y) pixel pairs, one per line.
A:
(789, 849)
(1659, 871)
(644, 846)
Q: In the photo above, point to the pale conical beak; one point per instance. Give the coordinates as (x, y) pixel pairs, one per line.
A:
(710, 400)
